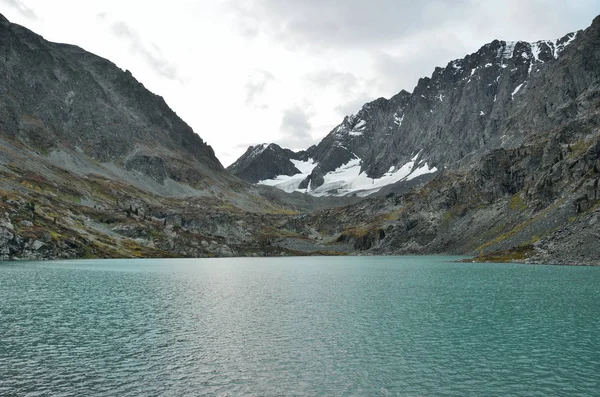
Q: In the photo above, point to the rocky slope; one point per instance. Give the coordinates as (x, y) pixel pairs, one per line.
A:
(524, 188)
(92, 164)
(535, 198)
(62, 101)
(459, 112)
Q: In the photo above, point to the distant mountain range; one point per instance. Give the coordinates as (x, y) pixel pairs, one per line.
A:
(460, 112)
(495, 156)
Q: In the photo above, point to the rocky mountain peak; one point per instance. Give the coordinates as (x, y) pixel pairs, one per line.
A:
(267, 161)
(77, 107)
(450, 119)
(84, 149)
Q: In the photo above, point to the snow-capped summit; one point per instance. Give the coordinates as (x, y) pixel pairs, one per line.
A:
(266, 161)
(457, 113)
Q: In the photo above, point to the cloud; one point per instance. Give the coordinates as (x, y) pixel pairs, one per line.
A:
(402, 69)
(152, 56)
(366, 23)
(329, 23)
(405, 39)
(514, 21)
(256, 85)
(344, 82)
(295, 129)
(22, 8)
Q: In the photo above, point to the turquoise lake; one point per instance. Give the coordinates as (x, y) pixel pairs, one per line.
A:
(348, 326)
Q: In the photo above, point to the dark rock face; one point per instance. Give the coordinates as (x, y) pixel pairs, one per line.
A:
(356, 136)
(153, 166)
(533, 197)
(57, 96)
(460, 112)
(266, 161)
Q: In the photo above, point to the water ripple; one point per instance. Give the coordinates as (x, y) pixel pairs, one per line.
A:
(298, 326)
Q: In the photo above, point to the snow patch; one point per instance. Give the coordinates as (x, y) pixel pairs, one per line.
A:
(456, 66)
(358, 128)
(258, 149)
(305, 167)
(573, 36)
(289, 183)
(422, 170)
(516, 91)
(348, 179)
(398, 120)
(535, 51)
(559, 48)
(553, 48)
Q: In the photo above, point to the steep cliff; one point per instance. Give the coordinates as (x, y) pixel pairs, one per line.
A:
(66, 103)
(463, 110)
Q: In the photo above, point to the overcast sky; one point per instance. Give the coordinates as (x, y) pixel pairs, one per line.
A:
(243, 72)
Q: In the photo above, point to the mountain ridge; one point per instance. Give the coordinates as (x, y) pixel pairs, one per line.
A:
(50, 89)
(526, 188)
(387, 133)
(92, 164)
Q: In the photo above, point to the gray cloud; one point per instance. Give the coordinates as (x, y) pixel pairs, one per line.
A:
(402, 71)
(295, 129)
(22, 8)
(432, 32)
(344, 82)
(364, 23)
(532, 19)
(256, 85)
(153, 57)
(331, 23)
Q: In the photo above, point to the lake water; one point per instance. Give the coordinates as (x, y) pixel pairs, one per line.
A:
(357, 326)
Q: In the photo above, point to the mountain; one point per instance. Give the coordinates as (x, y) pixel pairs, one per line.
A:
(57, 98)
(457, 114)
(501, 162)
(268, 161)
(92, 164)
(535, 197)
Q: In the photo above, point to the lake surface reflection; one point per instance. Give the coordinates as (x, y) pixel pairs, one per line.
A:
(351, 326)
